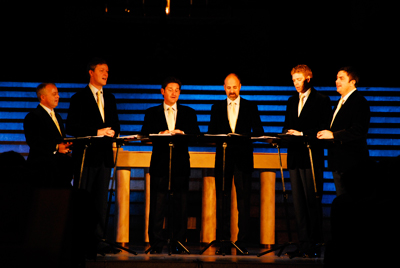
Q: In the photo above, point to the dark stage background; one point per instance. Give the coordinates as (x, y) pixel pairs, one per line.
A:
(200, 42)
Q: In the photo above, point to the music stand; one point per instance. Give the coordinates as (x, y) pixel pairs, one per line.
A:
(87, 142)
(274, 141)
(169, 241)
(222, 242)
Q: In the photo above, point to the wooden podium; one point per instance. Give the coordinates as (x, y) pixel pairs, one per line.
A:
(267, 163)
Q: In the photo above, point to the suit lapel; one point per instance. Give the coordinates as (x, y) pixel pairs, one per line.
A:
(49, 121)
(161, 117)
(92, 104)
(241, 115)
(308, 106)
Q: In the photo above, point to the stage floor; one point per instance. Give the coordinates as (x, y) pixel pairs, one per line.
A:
(208, 258)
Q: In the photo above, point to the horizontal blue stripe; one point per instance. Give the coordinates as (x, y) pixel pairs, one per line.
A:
(384, 153)
(28, 104)
(385, 109)
(327, 199)
(384, 131)
(386, 142)
(272, 118)
(14, 147)
(329, 186)
(385, 120)
(193, 87)
(12, 137)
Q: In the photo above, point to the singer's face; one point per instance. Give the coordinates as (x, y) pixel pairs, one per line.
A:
(343, 83)
(50, 96)
(300, 82)
(171, 93)
(232, 87)
(99, 76)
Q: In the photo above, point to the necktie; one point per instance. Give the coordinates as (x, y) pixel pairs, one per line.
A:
(301, 104)
(337, 110)
(53, 116)
(170, 119)
(232, 116)
(100, 104)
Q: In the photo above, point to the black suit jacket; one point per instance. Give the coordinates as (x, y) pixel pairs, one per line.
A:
(248, 123)
(49, 168)
(84, 119)
(155, 122)
(315, 116)
(350, 128)
(42, 134)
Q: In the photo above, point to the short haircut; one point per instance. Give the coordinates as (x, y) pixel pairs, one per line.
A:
(94, 62)
(235, 75)
(40, 89)
(302, 68)
(171, 79)
(352, 73)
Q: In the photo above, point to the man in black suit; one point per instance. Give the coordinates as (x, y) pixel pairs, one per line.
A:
(93, 112)
(169, 118)
(349, 126)
(48, 156)
(234, 115)
(306, 113)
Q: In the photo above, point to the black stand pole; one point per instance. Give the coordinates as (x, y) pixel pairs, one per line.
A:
(171, 239)
(223, 243)
(317, 195)
(285, 198)
(109, 206)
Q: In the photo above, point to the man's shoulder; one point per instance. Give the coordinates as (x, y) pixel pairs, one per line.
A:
(153, 108)
(185, 108)
(81, 92)
(318, 94)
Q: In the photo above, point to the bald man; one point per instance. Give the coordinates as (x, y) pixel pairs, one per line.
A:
(234, 115)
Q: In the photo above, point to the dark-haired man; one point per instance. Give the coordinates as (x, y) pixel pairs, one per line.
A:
(93, 112)
(349, 126)
(169, 118)
(44, 131)
(234, 115)
(307, 112)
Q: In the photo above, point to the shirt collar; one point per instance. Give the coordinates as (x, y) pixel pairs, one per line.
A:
(237, 100)
(48, 110)
(94, 89)
(174, 106)
(306, 94)
(348, 95)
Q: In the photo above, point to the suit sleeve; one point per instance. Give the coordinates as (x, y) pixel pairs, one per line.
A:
(323, 117)
(191, 126)
(213, 124)
(257, 127)
(77, 124)
(35, 138)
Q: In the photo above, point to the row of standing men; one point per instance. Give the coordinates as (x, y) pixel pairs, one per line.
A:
(93, 112)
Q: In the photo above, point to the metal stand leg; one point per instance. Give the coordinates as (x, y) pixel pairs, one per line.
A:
(285, 198)
(170, 241)
(223, 243)
(109, 207)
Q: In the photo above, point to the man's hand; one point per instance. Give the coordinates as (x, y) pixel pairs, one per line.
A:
(63, 148)
(325, 134)
(294, 132)
(106, 132)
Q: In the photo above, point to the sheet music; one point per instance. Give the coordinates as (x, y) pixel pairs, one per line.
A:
(223, 135)
(129, 137)
(264, 137)
(166, 134)
(82, 138)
